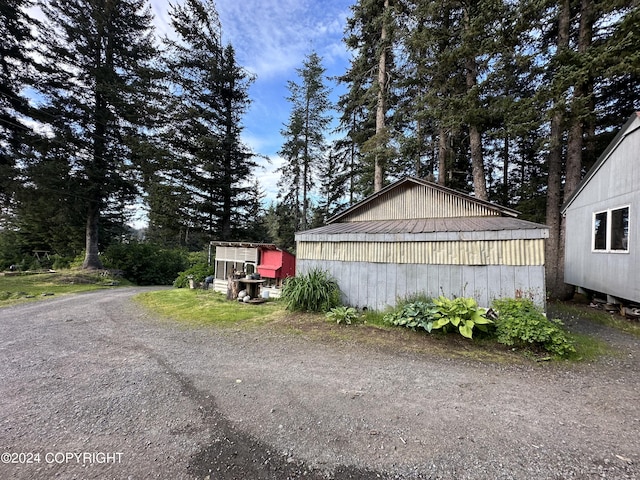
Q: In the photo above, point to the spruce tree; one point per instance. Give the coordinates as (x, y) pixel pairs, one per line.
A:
(371, 80)
(588, 57)
(98, 60)
(15, 75)
(305, 145)
(210, 96)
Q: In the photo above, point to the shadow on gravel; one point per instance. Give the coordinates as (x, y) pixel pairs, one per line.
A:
(234, 455)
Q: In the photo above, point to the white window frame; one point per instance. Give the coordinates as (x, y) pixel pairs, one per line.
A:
(609, 219)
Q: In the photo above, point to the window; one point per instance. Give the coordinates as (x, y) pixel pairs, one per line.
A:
(600, 231)
(611, 230)
(620, 229)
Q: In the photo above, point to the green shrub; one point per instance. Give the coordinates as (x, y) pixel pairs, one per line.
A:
(61, 263)
(346, 315)
(197, 272)
(520, 323)
(314, 291)
(145, 263)
(417, 314)
(463, 314)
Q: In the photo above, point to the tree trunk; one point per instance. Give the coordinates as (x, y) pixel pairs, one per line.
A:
(505, 170)
(580, 105)
(378, 175)
(92, 258)
(554, 262)
(475, 137)
(477, 164)
(443, 151)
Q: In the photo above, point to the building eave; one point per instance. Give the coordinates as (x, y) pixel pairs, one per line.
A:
(625, 131)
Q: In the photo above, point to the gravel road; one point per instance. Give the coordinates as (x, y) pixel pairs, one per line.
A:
(94, 387)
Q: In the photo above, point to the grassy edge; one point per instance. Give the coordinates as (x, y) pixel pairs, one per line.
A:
(28, 288)
(602, 318)
(194, 308)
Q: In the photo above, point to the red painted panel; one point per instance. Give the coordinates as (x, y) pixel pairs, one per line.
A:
(276, 264)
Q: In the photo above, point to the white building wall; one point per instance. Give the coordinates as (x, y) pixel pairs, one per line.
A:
(616, 184)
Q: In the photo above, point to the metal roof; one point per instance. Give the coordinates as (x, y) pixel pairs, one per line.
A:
(428, 225)
(264, 246)
(619, 138)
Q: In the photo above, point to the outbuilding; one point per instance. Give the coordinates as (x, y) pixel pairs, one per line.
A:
(416, 236)
(273, 264)
(602, 235)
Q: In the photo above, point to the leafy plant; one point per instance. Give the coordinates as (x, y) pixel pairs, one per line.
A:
(520, 323)
(196, 272)
(346, 315)
(460, 313)
(145, 263)
(418, 314)
(314, 291)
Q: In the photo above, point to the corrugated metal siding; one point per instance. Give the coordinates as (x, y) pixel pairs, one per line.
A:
(237, 254)
(419, 201)
(501, 252)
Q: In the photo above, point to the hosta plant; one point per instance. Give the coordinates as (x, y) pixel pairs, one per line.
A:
(346, 315)
(462, 314)
(418, 314)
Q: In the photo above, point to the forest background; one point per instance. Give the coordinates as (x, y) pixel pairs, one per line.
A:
(511, 101)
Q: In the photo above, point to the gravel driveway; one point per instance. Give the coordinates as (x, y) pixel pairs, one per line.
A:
(93, 387)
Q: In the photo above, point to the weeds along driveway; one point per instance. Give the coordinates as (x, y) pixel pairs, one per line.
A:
(92, 386)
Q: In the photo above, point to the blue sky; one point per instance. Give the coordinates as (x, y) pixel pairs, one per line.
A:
(271, 39)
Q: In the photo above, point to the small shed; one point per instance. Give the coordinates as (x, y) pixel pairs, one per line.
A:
(415, 236)
(271, 262)
(602, 234)
(276, 264)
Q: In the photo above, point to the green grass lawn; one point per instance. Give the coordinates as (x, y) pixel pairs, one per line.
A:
(29, 287)
(204, 308)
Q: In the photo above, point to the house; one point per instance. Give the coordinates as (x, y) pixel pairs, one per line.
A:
(272, 263)
(602, 238)
(416, 236)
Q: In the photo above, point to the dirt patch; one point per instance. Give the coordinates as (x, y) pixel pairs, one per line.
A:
(396, 339)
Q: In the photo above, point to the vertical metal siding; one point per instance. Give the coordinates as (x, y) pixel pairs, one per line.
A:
(417, 202)
(378, 286)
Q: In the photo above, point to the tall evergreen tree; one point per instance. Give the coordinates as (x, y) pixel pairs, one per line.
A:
(334, 184)
(305, 134)
(451, 49)
(15, 32)
(98, 58)
(371, 35)
(584, 61)
(209, 99)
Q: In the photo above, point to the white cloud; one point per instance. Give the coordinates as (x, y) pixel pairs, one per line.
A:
(269, 178)
(271, 39)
